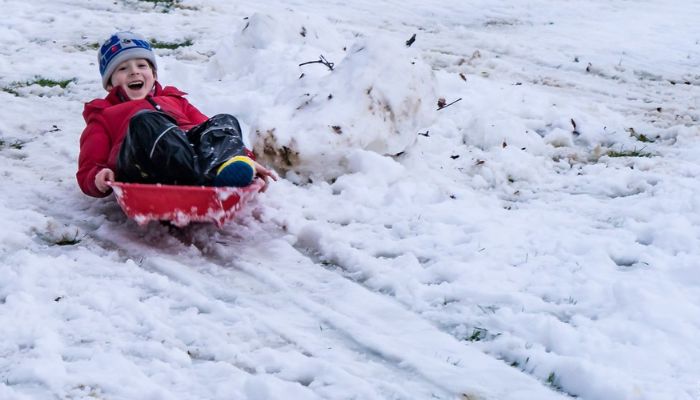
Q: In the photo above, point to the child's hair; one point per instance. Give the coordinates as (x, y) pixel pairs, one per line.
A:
(120, 47)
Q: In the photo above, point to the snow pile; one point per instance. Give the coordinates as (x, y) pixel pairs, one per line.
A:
(373, 94)
(263, 51)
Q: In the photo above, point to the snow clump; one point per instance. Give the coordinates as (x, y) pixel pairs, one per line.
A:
(376, 98)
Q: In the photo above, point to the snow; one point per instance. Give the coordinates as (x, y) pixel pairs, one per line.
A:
(495, 249)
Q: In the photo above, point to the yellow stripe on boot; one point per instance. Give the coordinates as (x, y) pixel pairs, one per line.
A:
(238, 171)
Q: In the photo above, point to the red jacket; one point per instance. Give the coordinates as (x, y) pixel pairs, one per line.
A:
(107, 122)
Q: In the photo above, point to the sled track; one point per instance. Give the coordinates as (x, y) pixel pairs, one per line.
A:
(251, 291)
(365, 342)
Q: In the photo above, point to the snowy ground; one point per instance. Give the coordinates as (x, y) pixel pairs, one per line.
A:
(538, 239)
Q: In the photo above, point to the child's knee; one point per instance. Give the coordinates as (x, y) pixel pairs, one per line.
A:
(226, 121)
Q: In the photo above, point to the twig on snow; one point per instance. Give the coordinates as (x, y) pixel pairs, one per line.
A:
(441, 103)
(321, 60)
(410, 41)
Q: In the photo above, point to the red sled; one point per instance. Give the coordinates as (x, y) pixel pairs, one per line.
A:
(181, 205)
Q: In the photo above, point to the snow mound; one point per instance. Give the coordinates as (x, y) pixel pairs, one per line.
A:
(375, 96)
(265, 50)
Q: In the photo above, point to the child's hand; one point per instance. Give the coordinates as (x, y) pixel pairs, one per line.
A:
(105, 175)
(265, 174)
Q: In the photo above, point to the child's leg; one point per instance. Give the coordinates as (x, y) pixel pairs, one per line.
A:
(156, 150)
(216, 141)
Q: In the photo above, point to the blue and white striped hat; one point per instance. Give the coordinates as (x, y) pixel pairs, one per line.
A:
(120, 47)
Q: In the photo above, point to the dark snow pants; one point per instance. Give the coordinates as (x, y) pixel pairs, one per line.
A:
(156, 150)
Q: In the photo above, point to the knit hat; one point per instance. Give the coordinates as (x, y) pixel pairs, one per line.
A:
(120, 47)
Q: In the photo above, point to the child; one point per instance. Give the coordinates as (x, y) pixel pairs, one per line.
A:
(142, 132)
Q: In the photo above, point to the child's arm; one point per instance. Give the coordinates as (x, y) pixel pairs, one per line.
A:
(193, 113)
(94, 154)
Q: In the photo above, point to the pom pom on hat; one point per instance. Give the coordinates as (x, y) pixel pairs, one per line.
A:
(120, 47)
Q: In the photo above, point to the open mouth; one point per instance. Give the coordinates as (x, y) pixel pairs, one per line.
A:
(135, 85)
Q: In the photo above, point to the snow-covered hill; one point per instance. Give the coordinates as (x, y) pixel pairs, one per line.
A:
(539, 238)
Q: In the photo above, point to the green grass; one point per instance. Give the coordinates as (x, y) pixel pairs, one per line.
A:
(553, 381)
(643, 138)
(17, 144)
(45, 82)
(10, 91)
(170, 45)
(640, 136)
(629, 153)
(478, 334)
(165, 6)
(38, 80)
(517, 364)
(167, 3)
(88, 46)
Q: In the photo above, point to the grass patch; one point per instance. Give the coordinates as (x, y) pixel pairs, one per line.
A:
(553, 381)
(643, 138)
(38, 80)
(166, 6)
(45, 82)
(170, 45)
(629, 153)
(88, 46)
(17, 144)
(640, 136)
(10, 91)
(479, 334)
(518, 365)
(166, 3)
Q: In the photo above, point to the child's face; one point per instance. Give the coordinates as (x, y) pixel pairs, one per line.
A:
(135, 76)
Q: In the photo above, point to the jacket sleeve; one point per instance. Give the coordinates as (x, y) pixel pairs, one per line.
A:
(94, 154)
(193, 114)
